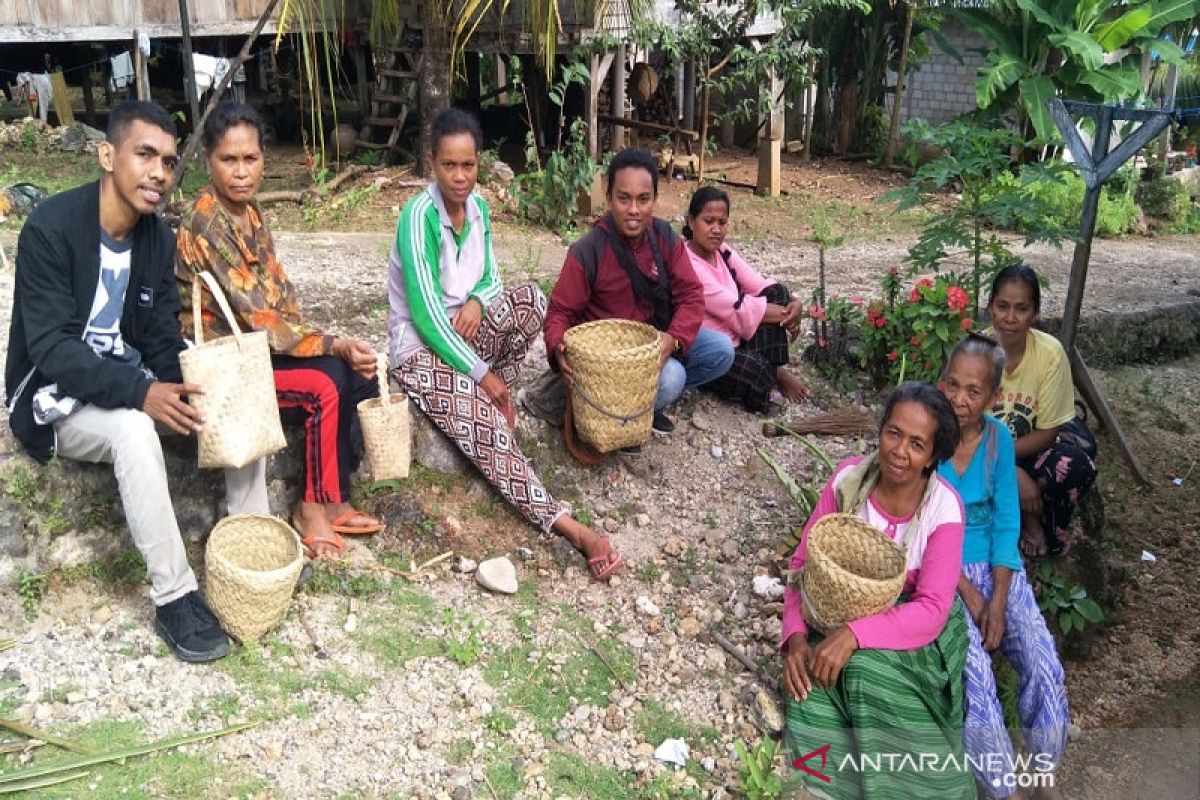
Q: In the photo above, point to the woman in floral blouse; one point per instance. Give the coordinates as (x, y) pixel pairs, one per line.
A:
(319, 378)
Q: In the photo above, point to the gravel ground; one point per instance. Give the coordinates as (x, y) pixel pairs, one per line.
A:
(378, 687)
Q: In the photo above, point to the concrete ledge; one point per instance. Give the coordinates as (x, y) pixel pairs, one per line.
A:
(1145, 336)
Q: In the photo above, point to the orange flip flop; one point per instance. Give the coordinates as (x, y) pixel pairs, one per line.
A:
(315, 540)
(340, 524)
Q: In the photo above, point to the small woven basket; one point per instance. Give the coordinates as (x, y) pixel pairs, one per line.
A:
(852, 571)
(615, 367)
(252, 562)
(387, 441)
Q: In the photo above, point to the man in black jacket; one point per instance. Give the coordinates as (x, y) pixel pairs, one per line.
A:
(93, 355)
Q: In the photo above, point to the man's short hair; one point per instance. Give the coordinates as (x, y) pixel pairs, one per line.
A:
(632, 157)
(126, 113)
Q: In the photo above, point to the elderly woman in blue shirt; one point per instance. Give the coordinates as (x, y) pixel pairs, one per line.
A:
(1001, 608)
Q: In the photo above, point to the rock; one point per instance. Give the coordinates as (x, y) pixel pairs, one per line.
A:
(453, 525)
(432, 449)
(689, 626)
(611, 525)
(730, 550)
(768, 586)
(717, 451)
(614, 719)
(739, 610)
(465, 565)
(701, 422)
(498, 575)
(768, 712)
(673, 546)
(102, 614)
(351, 624)
(726, 701)
(646, 606)
(562, 736)
(75, 697)
(642, 520)
(501, 173)
(78, 137)
(644, 750)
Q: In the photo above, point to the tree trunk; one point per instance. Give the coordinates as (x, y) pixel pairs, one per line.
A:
(703, 126)
(889, 153)
(434, 78)
(846, 114)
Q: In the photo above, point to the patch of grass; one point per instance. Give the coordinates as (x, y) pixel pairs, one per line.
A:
(569, 774)
(390, 634)
(337, 681)
(257, 670)
(647, 572)
(168, 774)
(464, 651)
(656, 723)
(58, 693)
(421, 477)
(21, 484)
(126, 569)
(459, 751)
(500, 722)
(226, 708)
(532, 686)
(30, 588)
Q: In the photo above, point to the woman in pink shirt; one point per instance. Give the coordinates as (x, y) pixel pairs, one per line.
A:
(887, 690)
(757, 314)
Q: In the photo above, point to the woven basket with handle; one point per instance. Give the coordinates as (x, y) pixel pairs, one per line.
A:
(251, 563)
(241, 414)
(615, 367)
(853, 570)
(386, 438)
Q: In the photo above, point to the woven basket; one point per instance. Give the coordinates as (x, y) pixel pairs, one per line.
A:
(251, 562)
(387, 441)
(615, 367)
(852, 571)
(241, 413)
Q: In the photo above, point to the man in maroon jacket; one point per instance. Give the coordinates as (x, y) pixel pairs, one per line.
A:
(631, 265)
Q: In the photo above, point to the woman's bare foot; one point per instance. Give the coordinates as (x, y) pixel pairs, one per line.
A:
(602, 559)
(792, 387)
(1033, 537)
(316, 533)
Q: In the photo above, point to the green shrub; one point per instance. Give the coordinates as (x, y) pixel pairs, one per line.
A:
(1117, 214)
(1166, 199)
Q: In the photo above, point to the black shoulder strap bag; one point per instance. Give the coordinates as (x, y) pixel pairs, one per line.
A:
(658, 293)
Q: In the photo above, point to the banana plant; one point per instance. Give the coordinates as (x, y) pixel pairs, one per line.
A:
(1079, 49)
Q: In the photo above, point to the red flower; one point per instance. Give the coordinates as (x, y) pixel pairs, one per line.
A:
(915, 341)
(957, 298)
(856, 300)
(816, 312)
(894, 271)
(893, 356)
(967, 323)
(915, 295)
(880, 321)
(821, 342)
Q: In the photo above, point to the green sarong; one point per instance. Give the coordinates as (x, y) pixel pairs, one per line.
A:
(891, 729)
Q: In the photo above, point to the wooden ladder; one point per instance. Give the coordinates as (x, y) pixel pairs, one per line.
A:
(397, 92)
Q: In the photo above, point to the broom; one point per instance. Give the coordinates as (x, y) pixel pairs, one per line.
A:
(842, 422)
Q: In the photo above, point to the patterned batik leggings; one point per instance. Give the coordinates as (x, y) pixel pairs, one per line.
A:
(1064, 472)
(1041, 692)
(464, 412)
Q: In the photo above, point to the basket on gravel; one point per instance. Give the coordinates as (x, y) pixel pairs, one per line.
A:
(615, 367)
(252, 562)
(387, 441)
(852, 571)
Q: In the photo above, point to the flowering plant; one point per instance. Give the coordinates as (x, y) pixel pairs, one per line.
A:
(836, 325)
(910, 336)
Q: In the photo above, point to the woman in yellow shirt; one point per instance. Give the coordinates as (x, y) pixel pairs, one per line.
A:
(1037, 402)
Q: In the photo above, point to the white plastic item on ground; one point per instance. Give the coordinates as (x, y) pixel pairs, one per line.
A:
(768, 586)
(674, 751)
(1149, 557)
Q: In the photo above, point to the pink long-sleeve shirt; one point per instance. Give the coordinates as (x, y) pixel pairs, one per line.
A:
(731, 305)
(934, 562)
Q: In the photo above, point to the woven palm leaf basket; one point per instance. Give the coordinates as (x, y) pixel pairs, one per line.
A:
(615, 366)
(252, 562)
(852, 571)
(387, 441)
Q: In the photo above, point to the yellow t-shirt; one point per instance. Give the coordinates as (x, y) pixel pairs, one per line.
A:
(1038, 394)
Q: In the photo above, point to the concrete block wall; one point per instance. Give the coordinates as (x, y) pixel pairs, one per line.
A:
(941, 88)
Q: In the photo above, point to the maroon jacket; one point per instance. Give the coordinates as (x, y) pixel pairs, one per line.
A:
(576, 300)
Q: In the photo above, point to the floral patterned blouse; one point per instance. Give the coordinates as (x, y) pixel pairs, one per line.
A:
(245, 265)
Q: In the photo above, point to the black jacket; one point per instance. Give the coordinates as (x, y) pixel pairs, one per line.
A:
(58, 268)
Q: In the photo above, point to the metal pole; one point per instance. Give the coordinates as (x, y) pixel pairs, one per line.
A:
(189, 68)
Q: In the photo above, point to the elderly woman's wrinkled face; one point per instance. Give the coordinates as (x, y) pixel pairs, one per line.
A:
(968, 387)
(235, 166)
(906, 445)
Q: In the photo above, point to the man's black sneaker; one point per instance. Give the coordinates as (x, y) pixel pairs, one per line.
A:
(188, 626)
(662, 424)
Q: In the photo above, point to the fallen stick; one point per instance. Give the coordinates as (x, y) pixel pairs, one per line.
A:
(313, 193)
(743, 659)
(308, 631)
(19, 746)
(49, 738)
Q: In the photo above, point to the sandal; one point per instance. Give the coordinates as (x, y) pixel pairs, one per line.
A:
(340, 524)
(315, 540)
(605, 566)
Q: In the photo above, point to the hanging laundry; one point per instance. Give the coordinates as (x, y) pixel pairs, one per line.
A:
(210, 70)
(122, 71)
(39, 86)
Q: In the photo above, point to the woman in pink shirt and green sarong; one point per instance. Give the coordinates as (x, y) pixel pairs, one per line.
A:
(885, 692)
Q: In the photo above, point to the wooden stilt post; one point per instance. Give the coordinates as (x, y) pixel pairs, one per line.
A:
(1096, 166)
(689, 96)
(139, 68)
(770, 139)
(618, 95)
(189, 68)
